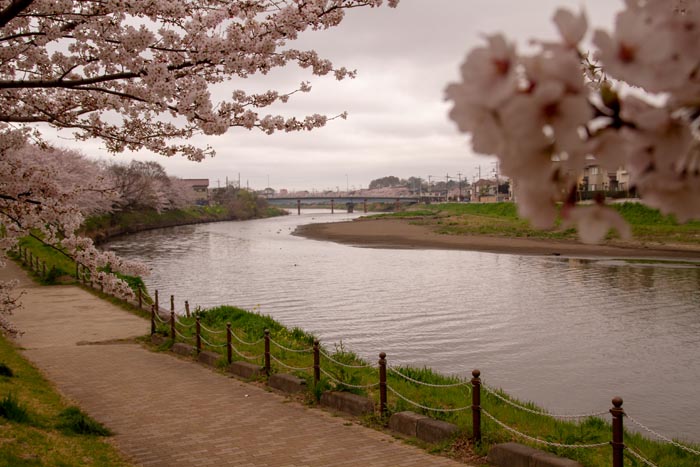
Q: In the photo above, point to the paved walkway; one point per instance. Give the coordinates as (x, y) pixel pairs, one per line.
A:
(166, 411)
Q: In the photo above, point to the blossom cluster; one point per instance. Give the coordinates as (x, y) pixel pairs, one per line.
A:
(44, 193)
(137, 74)
(549, 114)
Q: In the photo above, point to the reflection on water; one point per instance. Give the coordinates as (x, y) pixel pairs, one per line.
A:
(568, 334)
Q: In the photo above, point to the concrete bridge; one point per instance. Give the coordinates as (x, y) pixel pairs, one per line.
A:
(349, 201)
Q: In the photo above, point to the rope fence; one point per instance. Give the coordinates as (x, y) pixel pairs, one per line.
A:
(160, 318)
(541, 441)
(472, 388)
(495, 393)
(424, 407)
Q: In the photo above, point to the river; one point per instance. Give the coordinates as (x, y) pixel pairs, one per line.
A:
(567, 334)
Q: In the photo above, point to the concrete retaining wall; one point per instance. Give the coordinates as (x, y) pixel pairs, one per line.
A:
(422, 427)
(346, 402)
(286, 383)
(246, 370)
(208, 358)
(517, 455)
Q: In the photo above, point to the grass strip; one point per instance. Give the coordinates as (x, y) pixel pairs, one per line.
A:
(649, 226)
(250, 326)
(40, 437)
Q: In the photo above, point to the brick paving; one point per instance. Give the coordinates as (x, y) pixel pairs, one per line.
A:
(167, 411)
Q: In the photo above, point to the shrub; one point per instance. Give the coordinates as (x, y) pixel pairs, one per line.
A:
(11, 409)
(75, 421)
(6, 371)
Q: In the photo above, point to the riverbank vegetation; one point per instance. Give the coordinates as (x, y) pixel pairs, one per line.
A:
(411, 387)
(38, 425)
(649, 226)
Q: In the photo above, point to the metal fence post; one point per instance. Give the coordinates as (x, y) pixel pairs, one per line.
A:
(172, 303)
(157, 305)
(172, 326)
(187, 308)
(229, 357)
(317, 363)
(382, 384)
(267, 352)
(618, 445)
(476, 406)
(153, 319)
(198, 331)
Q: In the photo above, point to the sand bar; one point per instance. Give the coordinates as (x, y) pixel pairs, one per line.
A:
(400, 233)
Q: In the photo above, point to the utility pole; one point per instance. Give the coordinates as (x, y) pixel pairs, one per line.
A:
(496, 172)
(447, 190)
(459, 178)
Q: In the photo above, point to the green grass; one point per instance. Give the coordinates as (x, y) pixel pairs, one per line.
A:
(649, 226)
(101, 227)
(37, 439)
(250, 326)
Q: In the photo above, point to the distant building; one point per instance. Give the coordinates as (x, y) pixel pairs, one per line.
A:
(198, 190)
(596, 178)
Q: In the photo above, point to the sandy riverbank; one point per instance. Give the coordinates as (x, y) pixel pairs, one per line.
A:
(398, 233)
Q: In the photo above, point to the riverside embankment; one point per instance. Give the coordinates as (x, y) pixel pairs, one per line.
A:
(102, 228)
(589, 329)
(165, 411)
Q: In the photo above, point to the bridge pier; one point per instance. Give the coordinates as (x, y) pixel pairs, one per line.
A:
(397, 205)
(332, 206)
(351, 207)
(298, 207)
(364, 204)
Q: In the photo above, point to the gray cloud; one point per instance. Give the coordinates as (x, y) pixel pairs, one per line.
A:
(398, 121)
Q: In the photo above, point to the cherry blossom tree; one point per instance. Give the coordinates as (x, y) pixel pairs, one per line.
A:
(43, 194)
(137, 75)
(141, 185)
(635, 103)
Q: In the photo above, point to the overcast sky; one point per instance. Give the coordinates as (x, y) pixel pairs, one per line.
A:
(397, 122)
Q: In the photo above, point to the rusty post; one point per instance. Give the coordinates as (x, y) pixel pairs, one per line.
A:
(153, 319)
(299, 207)
(382, 384)
(267, 352)
(476, 406)
(198, 331)
(229, 356)
(317, 363)
(140, 297)
(172, 303)
(157, 305)
(187, 308)
(364, 205)
(332, 206)
(172, 326)
(618, 445)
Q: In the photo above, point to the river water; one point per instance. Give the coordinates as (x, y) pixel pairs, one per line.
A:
(567, 334)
